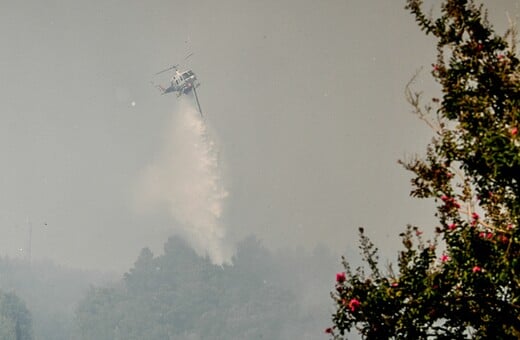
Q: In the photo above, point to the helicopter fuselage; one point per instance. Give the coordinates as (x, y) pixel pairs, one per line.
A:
(181, 83)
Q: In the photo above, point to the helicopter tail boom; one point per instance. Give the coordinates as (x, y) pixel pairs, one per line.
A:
(161, 89)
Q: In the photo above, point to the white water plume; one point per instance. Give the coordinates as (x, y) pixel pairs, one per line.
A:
(186, 178)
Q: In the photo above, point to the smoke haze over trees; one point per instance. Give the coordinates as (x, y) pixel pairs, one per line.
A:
(180, 295)
(177, 295)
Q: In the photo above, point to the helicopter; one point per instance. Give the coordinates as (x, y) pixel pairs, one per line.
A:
(182, 82)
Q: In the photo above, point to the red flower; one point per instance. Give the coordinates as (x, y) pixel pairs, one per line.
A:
(475, 217)
(452, 226)
(450, 202)
(340, 277)
(354, 304)
(476, 269)
(486, 234)
(514, 131)
(328, 330)
(444, 258)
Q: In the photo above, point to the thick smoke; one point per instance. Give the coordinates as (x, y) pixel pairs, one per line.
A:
(187, 180)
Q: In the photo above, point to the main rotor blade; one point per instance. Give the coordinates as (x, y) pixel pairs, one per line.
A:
(174, 67)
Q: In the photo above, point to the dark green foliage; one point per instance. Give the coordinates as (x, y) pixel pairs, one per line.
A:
(465, 283)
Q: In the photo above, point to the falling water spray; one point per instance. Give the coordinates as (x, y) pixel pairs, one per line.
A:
(186, 179)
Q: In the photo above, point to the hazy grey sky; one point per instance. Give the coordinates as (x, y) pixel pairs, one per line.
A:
(304, 99)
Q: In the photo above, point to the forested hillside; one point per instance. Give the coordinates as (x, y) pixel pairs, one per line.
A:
(15, 319)
(180, 295)
(174, 295)
(49, 292)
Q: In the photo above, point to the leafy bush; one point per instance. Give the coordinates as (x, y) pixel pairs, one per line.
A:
(465, 282)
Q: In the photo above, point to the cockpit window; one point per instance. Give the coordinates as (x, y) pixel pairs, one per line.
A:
(187, 74)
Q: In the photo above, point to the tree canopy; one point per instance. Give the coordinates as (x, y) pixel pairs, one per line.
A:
(465, 282)
(180, 295)
(15, 319)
